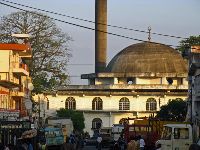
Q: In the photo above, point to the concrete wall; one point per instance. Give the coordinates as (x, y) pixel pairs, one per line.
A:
(4, 60)
(104, 81)
(110, 114)
(146, 81)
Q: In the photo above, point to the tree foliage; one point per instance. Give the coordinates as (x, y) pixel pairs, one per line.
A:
(76, 117)
(188, 42)
(50, 52)
(174, 110)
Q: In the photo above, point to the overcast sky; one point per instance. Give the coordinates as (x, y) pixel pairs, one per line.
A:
(173, 17)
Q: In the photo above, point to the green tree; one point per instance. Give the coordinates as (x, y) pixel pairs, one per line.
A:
(50, 52)
(76, 117)
(188, 42)
(174, 110)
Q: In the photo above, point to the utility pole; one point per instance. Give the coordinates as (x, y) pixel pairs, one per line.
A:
(39, 122)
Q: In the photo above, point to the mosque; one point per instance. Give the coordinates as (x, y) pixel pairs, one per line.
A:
(135, 83)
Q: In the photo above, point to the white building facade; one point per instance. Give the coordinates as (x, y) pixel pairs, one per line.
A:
(136, 83)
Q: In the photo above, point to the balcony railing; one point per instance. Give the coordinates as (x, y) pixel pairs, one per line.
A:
(17, 93)
(20, 68)
(8, 81)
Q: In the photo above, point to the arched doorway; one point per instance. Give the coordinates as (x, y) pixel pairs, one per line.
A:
(96, 125)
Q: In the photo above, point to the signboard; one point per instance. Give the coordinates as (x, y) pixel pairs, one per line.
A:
(9, 113)
(15, 124)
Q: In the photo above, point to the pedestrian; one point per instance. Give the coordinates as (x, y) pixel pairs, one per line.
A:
(121, 143)
(72, 140)
(6, 147)
(30, 146)
(24, 145)
(77, 139)
(141, 142)
(15, 140)
(132, 144)
(67, 145)
(42, 144)
(99, 142)
(116, 146)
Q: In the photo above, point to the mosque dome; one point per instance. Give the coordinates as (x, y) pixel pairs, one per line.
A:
(147, 57)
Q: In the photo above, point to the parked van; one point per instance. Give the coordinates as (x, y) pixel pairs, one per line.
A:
(176, 137)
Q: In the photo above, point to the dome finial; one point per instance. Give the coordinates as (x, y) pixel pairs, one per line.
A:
(149, 32)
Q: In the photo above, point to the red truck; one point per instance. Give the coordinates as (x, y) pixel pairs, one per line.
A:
(149, 129)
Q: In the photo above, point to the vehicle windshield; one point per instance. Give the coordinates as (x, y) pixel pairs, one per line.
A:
(167, 132)
(52, 133)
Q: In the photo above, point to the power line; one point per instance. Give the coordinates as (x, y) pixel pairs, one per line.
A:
(77, 18)
(85, 27)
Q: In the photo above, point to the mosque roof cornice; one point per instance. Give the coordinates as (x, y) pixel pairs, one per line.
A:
(114, 111)
(121, 86)
(124, 93)
(127, 74)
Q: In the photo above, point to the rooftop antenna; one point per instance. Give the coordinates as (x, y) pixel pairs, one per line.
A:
(149, 32)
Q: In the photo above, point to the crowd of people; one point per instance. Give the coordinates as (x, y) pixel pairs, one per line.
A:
(135, 143)
(21, 144)
(73, 142)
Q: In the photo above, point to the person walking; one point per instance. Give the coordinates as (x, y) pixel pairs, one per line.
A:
(99, 140)
(132, 144)
(141, 142)
(6, 147)
(67, 145)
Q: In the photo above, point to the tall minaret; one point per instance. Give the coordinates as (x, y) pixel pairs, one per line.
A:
(100, 37)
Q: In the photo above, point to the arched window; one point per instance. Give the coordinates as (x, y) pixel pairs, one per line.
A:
(97, 104)
(96, 123)
(151, 104)
(124, 104)
(70, 103)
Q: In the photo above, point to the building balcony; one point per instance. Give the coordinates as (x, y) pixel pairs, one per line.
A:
(20, 69)
(27, 55)
(7, 81)
(9, 84)
(17, 94)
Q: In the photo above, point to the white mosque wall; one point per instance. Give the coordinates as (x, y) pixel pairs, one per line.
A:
(104, 81)
(148, 81)
(108, 119)
(110, 103)
(110, 114)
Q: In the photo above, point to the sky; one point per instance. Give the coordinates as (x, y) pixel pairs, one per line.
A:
(172, 17)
